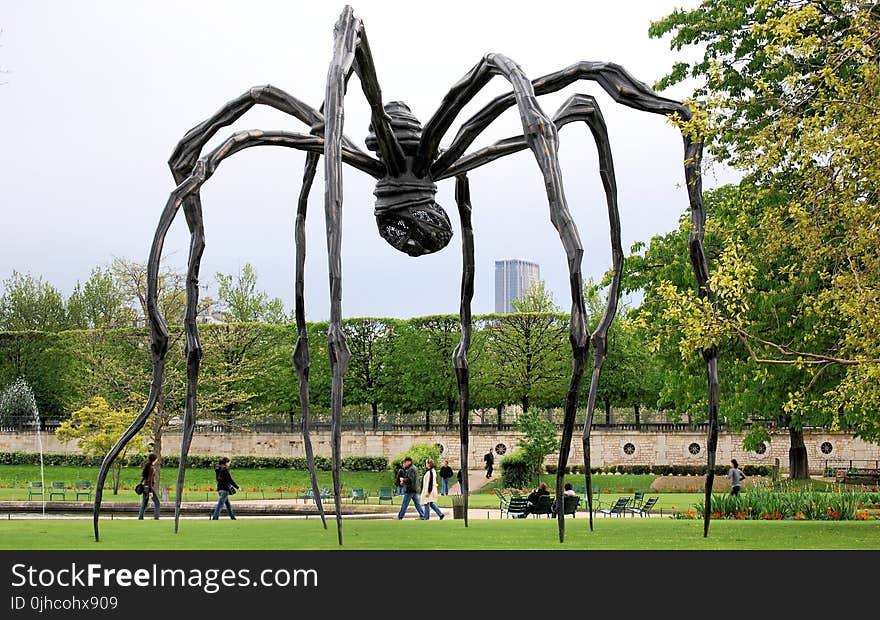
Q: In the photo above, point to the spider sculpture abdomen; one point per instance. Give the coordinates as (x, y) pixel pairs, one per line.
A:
(408, 217)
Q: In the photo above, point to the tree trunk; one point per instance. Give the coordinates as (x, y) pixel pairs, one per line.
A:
(450, 409)
(375, 415)
(117, 468)
(607, 411)
(525, 404)
(638, 417)
(798, 466)
(291, 414)
(499, 410)
(427, 419)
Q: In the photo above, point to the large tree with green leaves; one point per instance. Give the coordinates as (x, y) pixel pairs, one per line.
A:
(31, 304)
(790, 96)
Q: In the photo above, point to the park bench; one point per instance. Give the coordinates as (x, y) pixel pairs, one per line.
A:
(861, 475)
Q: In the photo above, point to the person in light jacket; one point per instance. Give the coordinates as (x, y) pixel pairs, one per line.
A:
(430, 492)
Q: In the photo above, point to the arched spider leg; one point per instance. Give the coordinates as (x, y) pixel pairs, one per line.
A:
(459, 357)
(189, 187)
(541, 136)
(350, 50)
(576, 108)
(626, 90)
(189, 149)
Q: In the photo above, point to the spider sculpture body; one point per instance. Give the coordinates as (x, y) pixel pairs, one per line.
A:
(408, 164)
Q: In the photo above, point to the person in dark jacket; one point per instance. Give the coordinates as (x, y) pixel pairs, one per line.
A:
(445, 475)
(490, 463)
(410, 482)
(150, 480)
(225, 486)
(534, 496)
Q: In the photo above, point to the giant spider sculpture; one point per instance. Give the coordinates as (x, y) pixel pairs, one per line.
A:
(408, 163)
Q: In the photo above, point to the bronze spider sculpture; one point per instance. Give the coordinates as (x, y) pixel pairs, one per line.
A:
(409, 161)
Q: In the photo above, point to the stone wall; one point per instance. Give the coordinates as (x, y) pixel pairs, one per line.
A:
(608, 447)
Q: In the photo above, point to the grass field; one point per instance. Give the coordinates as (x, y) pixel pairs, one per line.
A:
(609, 534)
(276, 484)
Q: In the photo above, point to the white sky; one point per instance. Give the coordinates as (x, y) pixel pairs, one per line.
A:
(97, 94)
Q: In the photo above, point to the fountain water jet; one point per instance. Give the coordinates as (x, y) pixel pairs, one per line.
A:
(17, 401)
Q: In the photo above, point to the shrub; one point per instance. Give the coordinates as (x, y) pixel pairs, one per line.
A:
(201, 461)
(365, 463)
(516, 470)
(419, 453)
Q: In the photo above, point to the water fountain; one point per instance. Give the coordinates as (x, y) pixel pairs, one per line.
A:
(17, 402)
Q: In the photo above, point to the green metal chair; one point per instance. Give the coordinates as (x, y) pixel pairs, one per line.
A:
(83, 488)
(58, 488)
(35, 489)
(385, 493)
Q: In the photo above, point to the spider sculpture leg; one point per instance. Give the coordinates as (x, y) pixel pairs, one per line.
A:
(188, 188)
(301, 358)
(459, 357)
(576, 108)
(350, 50)
(541, 136)
(626, 90)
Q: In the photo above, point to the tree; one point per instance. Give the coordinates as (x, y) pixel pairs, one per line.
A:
(420, 360)
(131, 277)
(29, 304)
(678, 324)
(96, 429)
(370, 341)
(790, 97)
(529, 350)
(539, 440)
(241, 303)
(99, 303)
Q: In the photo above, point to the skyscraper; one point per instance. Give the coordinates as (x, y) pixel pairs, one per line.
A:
(513, 278)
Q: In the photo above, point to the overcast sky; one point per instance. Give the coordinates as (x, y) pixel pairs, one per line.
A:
(97, 95)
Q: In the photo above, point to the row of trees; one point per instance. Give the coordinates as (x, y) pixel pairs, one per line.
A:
(400, 369)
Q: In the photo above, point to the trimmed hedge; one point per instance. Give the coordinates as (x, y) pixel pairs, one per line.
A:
(661, 470)
(516, 470)
(200, 461)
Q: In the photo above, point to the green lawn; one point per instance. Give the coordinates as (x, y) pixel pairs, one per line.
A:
(275, 484)
(610, 533)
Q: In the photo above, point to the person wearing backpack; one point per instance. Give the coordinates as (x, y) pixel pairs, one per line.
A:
(226, 486)
(736, 476)
(150, 480)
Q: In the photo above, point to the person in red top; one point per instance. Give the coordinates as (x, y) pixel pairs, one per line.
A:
(150, 479)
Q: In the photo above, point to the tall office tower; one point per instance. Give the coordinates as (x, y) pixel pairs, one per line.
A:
(513, 278)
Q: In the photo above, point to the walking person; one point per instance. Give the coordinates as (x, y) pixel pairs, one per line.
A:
(399, 475)
(225, 487)
(150, 480)
(445, 475)
(429, 491)
(736, 476)
(410, 483)
(490, 462)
